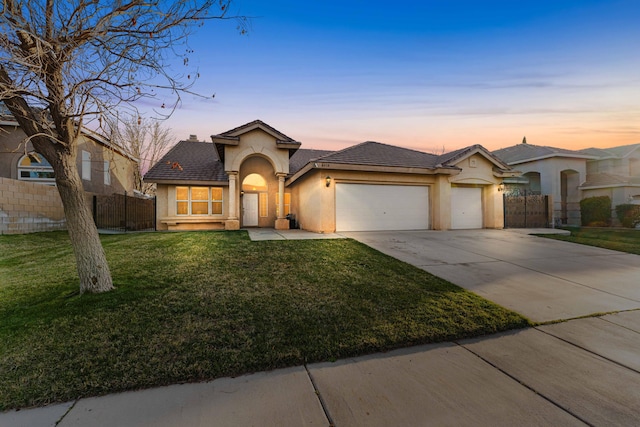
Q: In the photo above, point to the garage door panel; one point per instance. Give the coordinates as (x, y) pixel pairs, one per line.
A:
(369, 207)
(466, 208)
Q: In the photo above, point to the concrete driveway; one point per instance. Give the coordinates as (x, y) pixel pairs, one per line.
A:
(542, 279)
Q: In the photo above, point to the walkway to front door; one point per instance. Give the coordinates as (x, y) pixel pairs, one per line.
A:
(257, 234)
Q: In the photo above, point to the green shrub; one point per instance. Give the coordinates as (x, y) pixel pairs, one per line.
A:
(596, 211)
(628, 215)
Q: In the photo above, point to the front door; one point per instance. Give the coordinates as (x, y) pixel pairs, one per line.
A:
(250, 210)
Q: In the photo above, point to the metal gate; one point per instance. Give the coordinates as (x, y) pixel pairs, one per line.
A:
(526, 211)
(124, 213)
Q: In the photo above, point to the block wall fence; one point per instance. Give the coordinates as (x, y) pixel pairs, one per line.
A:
(27, 207)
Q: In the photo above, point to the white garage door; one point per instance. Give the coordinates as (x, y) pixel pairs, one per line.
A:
(369, 207)
(466, 207)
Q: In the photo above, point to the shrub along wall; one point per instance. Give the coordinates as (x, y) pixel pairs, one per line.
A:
(628, 215)
(596, 211)
(27, 207)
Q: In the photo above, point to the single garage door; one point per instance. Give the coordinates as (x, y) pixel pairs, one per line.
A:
(466, 207)
(369, 207)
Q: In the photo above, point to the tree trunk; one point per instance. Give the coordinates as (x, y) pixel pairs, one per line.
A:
(91, 261)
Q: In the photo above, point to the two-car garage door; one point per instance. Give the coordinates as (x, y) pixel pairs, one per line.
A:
(369, 207)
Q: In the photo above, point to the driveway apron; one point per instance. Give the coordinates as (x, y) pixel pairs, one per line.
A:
(542, 279)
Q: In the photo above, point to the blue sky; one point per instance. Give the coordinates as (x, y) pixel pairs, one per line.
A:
(430, 75)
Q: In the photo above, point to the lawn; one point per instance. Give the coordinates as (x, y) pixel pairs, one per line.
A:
(618, 240)
(201, 305)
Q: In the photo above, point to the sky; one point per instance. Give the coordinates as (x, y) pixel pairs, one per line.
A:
(431, 75)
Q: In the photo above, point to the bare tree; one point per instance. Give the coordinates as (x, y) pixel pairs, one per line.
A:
(64, 63)
(147, 140)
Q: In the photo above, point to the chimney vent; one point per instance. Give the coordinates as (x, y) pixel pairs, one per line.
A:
(193, 138)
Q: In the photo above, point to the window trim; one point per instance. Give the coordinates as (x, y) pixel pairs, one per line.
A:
(107, 172)
(211, 202)
(263, 204)
(44, 166)
(287, 206)
(86, 165)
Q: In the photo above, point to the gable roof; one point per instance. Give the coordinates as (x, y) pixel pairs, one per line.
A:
(523, 153)
(188, 161)
(7, 119)
(201, 161)
(458, 155)
(232, 137)
(304, 156)
(609, 180)
(378, 154)
(612, 152)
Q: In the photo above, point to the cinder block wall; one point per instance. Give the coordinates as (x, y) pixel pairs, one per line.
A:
(27, 207)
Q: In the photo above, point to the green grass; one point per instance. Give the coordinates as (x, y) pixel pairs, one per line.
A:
(201, 305)
(618, 240)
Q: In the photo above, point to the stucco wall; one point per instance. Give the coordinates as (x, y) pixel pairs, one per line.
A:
(27, 207)
(13, 147)
(252, 143)
(477, 171)
(166, 210)
(313, 202)
(261, 166)
(550, 183)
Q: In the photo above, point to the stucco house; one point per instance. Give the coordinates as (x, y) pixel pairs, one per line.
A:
(29, 201)
(104, 167)
(256, 176)
(615, 173)
(569, 176)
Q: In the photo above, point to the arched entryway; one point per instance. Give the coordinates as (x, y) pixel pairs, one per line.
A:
(255, 196)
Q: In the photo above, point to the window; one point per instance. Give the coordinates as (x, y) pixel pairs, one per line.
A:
(264, 205)
(86, 165)
(107, 173)
(199, 200)
(216, 201)
(287, 203)
(34, 167)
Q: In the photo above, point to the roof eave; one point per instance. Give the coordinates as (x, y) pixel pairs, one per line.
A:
(549, 156)
(501, 173)
(187, 182)
(438, 170)
(478, 149)
(599, 187)
(226, 140)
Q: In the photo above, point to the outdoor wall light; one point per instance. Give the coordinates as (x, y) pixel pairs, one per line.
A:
(327, 181)
(241, 193)
(501, 186)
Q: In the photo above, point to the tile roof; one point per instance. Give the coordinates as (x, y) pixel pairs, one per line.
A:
(304, 156)
(377, 154)
(526, 152)
(253, 124)
(188, 161)
(609, 179)
(615, 152)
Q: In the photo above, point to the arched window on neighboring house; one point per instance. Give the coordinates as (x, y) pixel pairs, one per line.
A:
(35, 168)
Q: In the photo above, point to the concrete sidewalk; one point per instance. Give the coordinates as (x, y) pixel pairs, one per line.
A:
(581, 372)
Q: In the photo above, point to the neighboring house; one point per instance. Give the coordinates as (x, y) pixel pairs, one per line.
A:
(24, 205)
(103, 167)
(569, 176)
(256, 176)
(615, 173)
